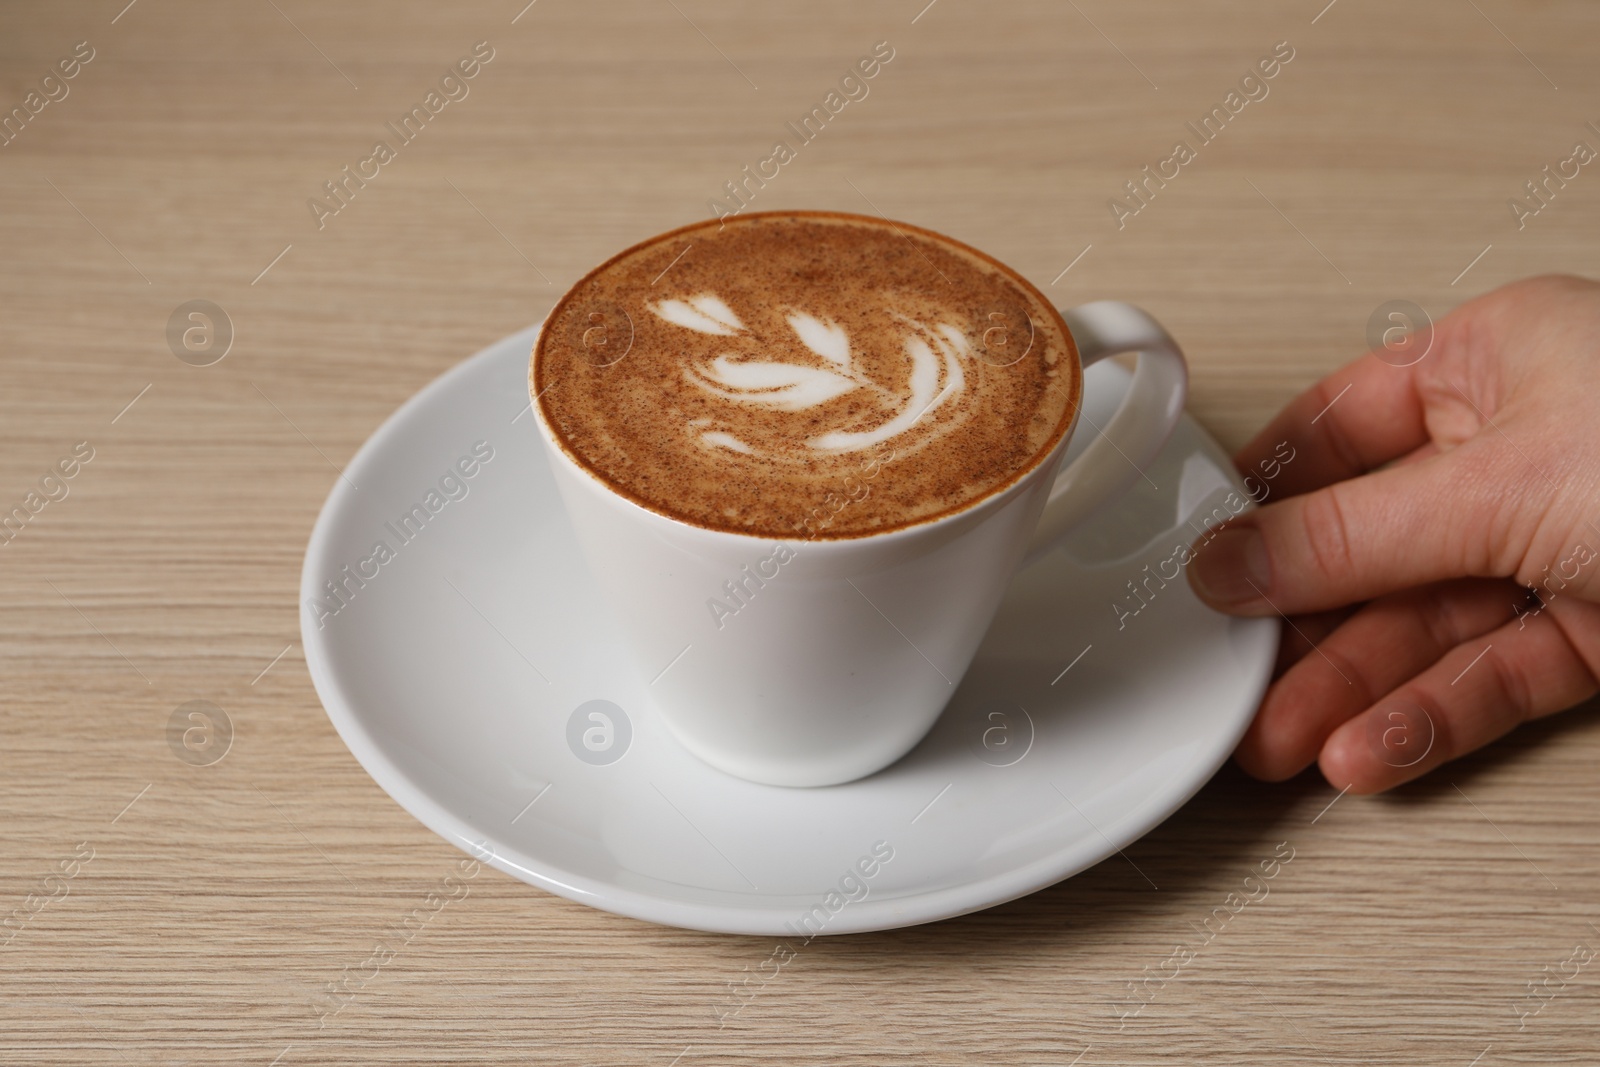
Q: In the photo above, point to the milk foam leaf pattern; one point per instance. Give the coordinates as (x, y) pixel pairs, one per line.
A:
(785, 386)
(926, 391)
(705, 313)
(827, 339)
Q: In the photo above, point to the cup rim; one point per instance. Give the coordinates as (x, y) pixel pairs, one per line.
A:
(1051, 450)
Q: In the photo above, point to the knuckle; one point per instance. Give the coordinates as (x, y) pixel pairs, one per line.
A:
(1444, 742)
(1512, 684)
(1454, 612)
(1494, 507)
(1441, 617)
(1326, 532)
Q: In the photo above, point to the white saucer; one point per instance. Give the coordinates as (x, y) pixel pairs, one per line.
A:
(457, 671)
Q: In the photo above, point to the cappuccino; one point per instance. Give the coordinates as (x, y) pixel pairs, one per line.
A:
(810, 374)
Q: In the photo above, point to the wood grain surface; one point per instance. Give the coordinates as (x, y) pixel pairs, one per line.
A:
(176, 165)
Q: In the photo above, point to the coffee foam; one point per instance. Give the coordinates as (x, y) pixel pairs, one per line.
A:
(812, 374)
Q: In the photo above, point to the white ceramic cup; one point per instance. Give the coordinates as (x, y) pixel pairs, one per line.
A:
(842, 653)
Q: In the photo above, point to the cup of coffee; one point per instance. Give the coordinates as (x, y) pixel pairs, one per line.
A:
(804, 453)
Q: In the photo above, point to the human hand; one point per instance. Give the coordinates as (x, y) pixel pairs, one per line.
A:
(1437, 554)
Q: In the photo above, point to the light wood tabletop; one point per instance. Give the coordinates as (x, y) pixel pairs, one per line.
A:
(179, 911)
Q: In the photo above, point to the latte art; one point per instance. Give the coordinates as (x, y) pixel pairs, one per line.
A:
(768, 359)
(796, 384)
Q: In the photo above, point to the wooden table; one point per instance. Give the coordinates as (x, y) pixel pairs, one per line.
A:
(206, 903)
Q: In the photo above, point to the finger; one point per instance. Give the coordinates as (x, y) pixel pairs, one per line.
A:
(1303, 633)
(1353, 421)
(1470, 511)
(1382, 646)
(1481, 690)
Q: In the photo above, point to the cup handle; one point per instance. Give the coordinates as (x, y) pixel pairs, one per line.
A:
(1126, 446)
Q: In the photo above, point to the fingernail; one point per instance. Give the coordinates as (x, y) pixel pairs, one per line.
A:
(1231, 569)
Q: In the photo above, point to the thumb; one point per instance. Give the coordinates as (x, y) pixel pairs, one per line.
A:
(1407, 525)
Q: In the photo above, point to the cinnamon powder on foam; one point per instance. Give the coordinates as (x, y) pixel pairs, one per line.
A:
(805, 375)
